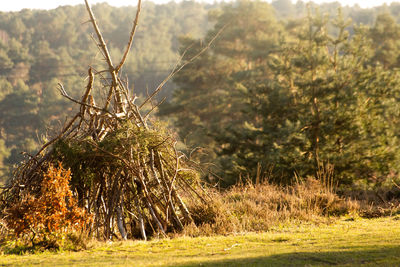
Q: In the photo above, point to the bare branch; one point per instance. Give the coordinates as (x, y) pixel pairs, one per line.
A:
(88, 90)
(153, 108)
(135, 23)
(102, 43)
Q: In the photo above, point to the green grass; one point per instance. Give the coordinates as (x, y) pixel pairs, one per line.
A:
(345, 242)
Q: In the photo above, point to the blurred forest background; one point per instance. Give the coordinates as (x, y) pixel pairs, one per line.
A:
(285, 91)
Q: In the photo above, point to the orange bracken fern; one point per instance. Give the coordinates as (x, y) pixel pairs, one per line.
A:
(53, 210)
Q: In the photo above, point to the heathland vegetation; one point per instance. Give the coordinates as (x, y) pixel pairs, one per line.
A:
(223, 118)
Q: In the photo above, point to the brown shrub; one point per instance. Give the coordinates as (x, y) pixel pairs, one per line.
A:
(52, 213)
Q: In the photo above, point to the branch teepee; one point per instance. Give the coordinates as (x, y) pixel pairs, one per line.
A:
(126, 170)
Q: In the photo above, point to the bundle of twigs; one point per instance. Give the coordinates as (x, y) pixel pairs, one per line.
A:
(126, 170)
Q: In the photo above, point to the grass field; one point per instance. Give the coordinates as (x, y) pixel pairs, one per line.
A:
(345, 242)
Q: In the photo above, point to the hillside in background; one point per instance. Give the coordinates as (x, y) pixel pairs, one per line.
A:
(40, 48)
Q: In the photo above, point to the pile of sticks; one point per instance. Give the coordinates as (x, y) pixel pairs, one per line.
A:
(126, 170)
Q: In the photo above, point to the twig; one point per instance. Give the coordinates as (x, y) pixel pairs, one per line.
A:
(153, 108)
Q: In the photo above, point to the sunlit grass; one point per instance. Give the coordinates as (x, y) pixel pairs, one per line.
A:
(344, 242)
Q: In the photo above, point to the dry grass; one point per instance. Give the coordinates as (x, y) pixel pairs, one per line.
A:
(252, 207)
(381, 202)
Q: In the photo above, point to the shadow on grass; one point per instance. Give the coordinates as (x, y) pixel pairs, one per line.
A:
(388, 256)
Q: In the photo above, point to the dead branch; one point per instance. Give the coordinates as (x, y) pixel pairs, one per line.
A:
(102, 43)
(128, 47)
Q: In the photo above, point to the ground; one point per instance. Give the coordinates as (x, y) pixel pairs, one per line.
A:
(346, 242)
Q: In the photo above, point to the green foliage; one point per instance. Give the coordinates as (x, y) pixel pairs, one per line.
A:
(209, 93)
(385, 35)
(312, 97)
(6, 62)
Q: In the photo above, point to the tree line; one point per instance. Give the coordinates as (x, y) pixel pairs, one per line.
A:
(283, 89)
(286, 99)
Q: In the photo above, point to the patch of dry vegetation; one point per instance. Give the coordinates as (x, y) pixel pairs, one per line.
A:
(50, 219)
(374, 203)
(257, 207)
